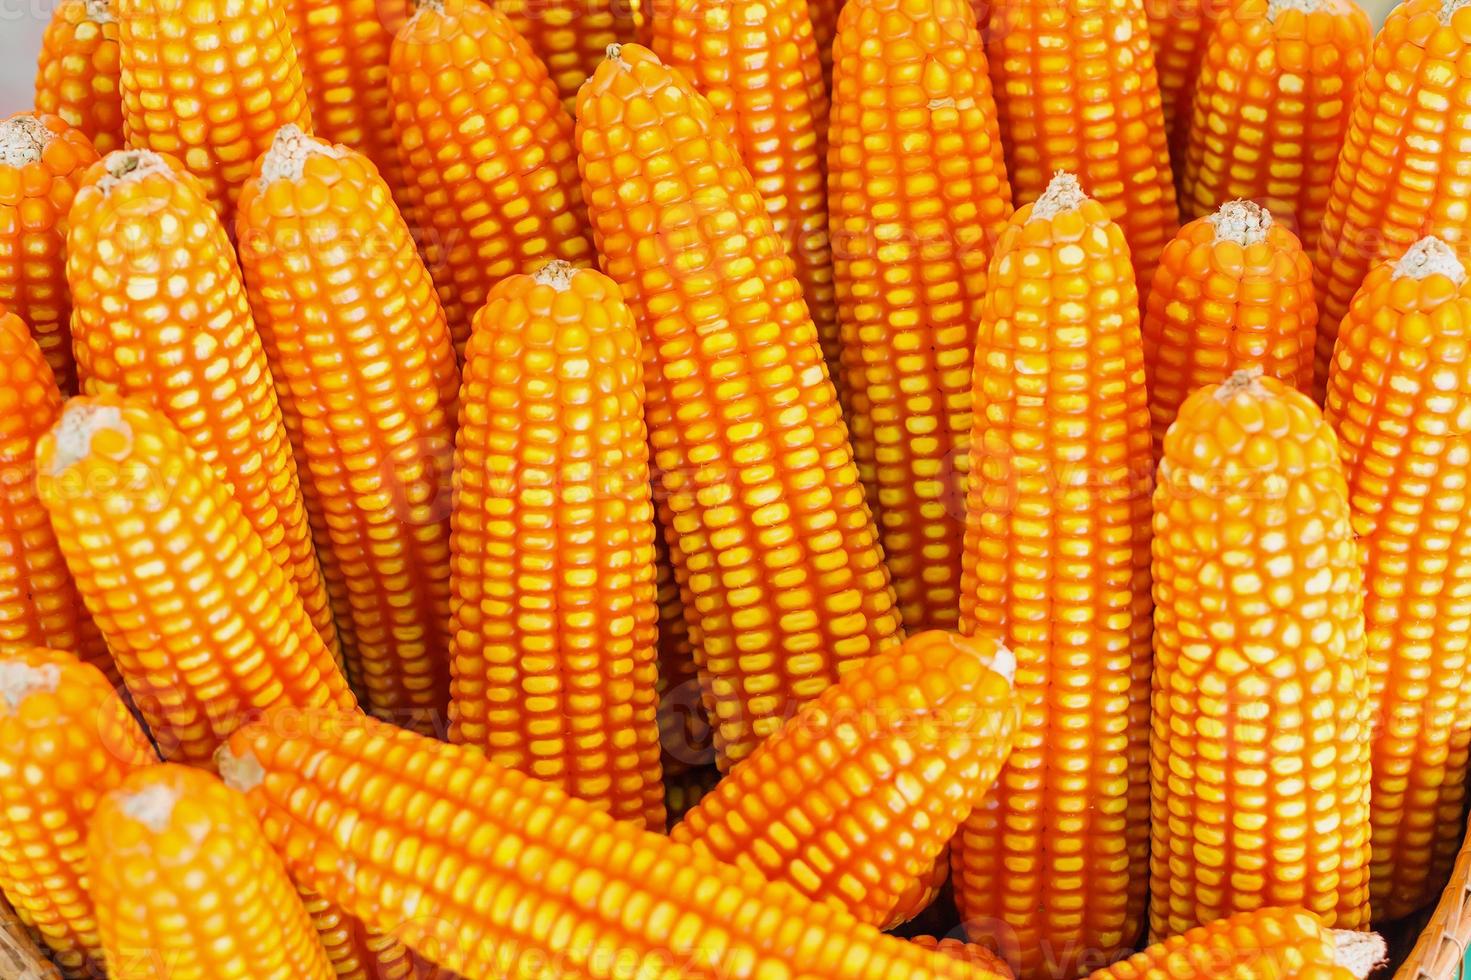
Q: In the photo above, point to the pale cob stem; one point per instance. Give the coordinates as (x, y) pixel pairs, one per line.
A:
(79, 77)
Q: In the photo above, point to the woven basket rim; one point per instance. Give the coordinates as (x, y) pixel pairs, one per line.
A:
(1440, 951)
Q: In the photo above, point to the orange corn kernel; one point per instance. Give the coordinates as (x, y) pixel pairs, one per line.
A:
(555, 624)
(205, 627)
(65, 739)
(1056, 564)
(775, 542)
(1260, 747)
(571, 36)
(1399, 393)
(920, 893)
(362, 358)
(973, 953)
(79, 77)
(1179, 31)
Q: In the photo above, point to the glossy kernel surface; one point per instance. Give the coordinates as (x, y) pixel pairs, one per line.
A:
(79, 77)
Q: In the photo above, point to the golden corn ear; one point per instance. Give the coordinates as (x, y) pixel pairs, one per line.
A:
(605, 891)
(854, 798)
(1399, 393)
(555, 625)
(1271, 108)
(1233, 289)
(1179, 31)
(208, 631)
(824, 17)
(976, 955)
(79, 77)
(482, 132)
(172, 839)
(1398, 176)
(1056, 564)
(362, 359)
(921, 892)
(160, 315)
(66, 738)
(770, 530)
(42, 164)
(911, 95)
(1259, 754)
(571, 36)
(684, 726)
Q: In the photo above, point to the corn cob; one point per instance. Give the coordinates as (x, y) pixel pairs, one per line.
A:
(42, 163)
(571, 37)
(65, 739)
(482, 845)
(912, 99)
(482, 130)
(1179, 31)
(209, 83)
(684, 791)
(187, 886)
(972, 953)
(1398, 397)
(79, 75)
(757, 62)
(771, 534)
(851, 802)
(1399, 175)
(39, 604)
(1076, 91)
(362, 358)
(684, 726)
(1271, 108)
(1259, 754)
(554, 620)
(160, 314)
(208, 631)
(1233, 289)
(921, 892)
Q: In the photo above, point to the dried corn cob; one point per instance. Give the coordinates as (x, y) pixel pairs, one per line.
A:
(684, 726)
(976, 955)
(482, 130)
(571, 37)
(42, 163)
(160, 314)
(209, 83)
(851, 802)
(492, 843)
(1271, 108)
(79, 75)
(205, 627)
(1399, 393)
(356, 952)
(1179, 31)
(65, 739)
(1076, 91)
(555, 624)
(187, 886)
(921, 892)
(1233, 289)
(1056, 563)
(824, 17)
(362, 358)
(1260, 757)
(918, 194)
(771, 533)
(1399, 175)
(39, 604)
(757, 63)
(684, 791)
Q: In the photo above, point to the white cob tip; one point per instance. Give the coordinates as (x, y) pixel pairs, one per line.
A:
(1430, 257)
(1360, 953)
(152, 806)
(614, 52)
(122, 166)
(22, 140)
(1449, 8)
(99, 11)
(557, 273)
(1003, 662)
(1247, 381)
(1277, 7)
(286, 159)
(73, 432)
(239, 772)
(1063, 193)
(19, 681)
(1242, 222)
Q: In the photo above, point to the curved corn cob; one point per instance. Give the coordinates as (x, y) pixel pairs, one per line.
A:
(555, 624)
(1271, 108)
(684, 791)
(757, 63)
(65, 739)
(1076, 91)
(363, 362)
(852, 801)
(976, 955)
(1179, 31)
(1259, 754)
(684, 727)
(1233, 289)
(39, 603)
(1399, 395)
(571, 37)
(160, 315)
(481, 129)
(79, 77)
(205, 627)
(770, 530)
(918, 194)
(1399, 175)
(42, 164)
(495, 843)
(1056, 563)
(172, 840)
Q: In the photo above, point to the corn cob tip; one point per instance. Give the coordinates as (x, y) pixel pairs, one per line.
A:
(152, 806)
(73, 433)
(239, 772)
(1247, 381)
(1003, 662)
(286, 159)
(557, 273)
(99, 11)
(1360, 953)
(1277, 7)
(1430, 257)
(19, 681)
(121, 166)
(1242, 222)
(614, 52)
(1063, 193)
(22, 139)
(1448, 9)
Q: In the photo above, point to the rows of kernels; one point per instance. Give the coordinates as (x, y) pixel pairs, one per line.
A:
(1179, 31)
(918, 194)
(1260, 712)
(777, 543)
(572, 36)
(683, 791)
(79, 77)
(684, 726)
(362, 358)
(1268, 944)
(921, 892)
(206, 628)
(824, 17)
(354, 951)
(972, 953)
